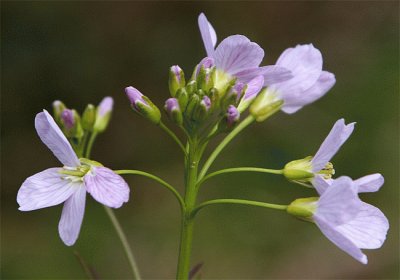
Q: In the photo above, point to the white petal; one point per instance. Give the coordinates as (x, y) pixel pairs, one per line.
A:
(72, 216)
(296, 101)
(340, 240)
(332, 143)
(236, 53)
(339, 203)
(305, 63)
(370, 183)
(54, 139)
(107, 187)
(45, 189)
(207, 34)
(368, 229)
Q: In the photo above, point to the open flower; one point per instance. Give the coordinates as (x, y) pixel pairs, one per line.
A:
(69, 183)
(343, 218)
(304, 170)
(309, 81)
(237, 57)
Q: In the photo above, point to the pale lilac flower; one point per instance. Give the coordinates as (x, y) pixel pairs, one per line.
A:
(319, 165)
(343, 218)
(309, 81)
(236, 56)
(69, 183)
(347, 221)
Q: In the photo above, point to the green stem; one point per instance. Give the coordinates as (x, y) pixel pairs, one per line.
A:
(124, 241)
(90, 144)
(239, 169)
(157, 179)
(173, 136)
(239, 201)
(191, 168)
(115, 223)
(247, 121)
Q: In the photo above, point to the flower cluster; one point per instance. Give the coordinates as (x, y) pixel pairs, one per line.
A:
(227, 91)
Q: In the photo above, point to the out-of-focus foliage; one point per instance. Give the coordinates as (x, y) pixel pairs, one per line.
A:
(79, 52)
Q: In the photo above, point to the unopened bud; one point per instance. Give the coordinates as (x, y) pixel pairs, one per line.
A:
(71, 124)
(232, 116)
(173, 110)
(103, 114)
(88, 117)
(143, 105)
(192, 104)
(191, 87)
(58, 108)
(182, 97)
(176, 79)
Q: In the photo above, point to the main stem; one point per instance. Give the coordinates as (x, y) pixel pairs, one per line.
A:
(191, 166)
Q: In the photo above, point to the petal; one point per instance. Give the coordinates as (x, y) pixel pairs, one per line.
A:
(295, 102)
(370, 183)
(107, 187)
(54, 139)
(340, 240)
(207, 34)
(320, 184)
(368, 229)
(332, 143)
(339, 203)
(72, 216)
(253, 88)
(236, 53)
(272, 74)
(305, 63)
(45, 189)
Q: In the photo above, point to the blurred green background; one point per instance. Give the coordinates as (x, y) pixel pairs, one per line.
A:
(79, 52)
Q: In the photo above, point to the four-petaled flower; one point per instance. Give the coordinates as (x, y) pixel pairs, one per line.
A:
(69, 183)
(344, 219)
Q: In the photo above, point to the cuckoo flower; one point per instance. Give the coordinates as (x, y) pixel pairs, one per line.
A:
(237, 57)
(69, 183)
(343, 218)
(308, 84)
(304, 170)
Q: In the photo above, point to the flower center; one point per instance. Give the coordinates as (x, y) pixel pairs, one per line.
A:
(75, 174)
(327, 171)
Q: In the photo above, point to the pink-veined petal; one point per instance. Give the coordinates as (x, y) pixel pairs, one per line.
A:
(367, 229)
(52, 136)
(272, 74)
(296, 101)
(339, 133)
(339, 203)
(370, 183)
(305, 63)
(107, 187)
(207, 34)
(236, 53)
(340, 240)
(45, 189)
(72, 216)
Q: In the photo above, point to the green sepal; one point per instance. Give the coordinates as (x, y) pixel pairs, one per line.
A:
(303, 208)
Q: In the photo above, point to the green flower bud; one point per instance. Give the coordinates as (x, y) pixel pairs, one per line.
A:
(103, 114)
(182, 97)
(143, 105)
(191, 87)
(176, 79)
(58, 108)
(88, 117)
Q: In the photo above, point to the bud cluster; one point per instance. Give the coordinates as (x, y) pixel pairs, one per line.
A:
(75, 127)
(208, 100)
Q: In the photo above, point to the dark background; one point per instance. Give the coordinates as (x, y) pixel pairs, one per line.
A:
(79, 52)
